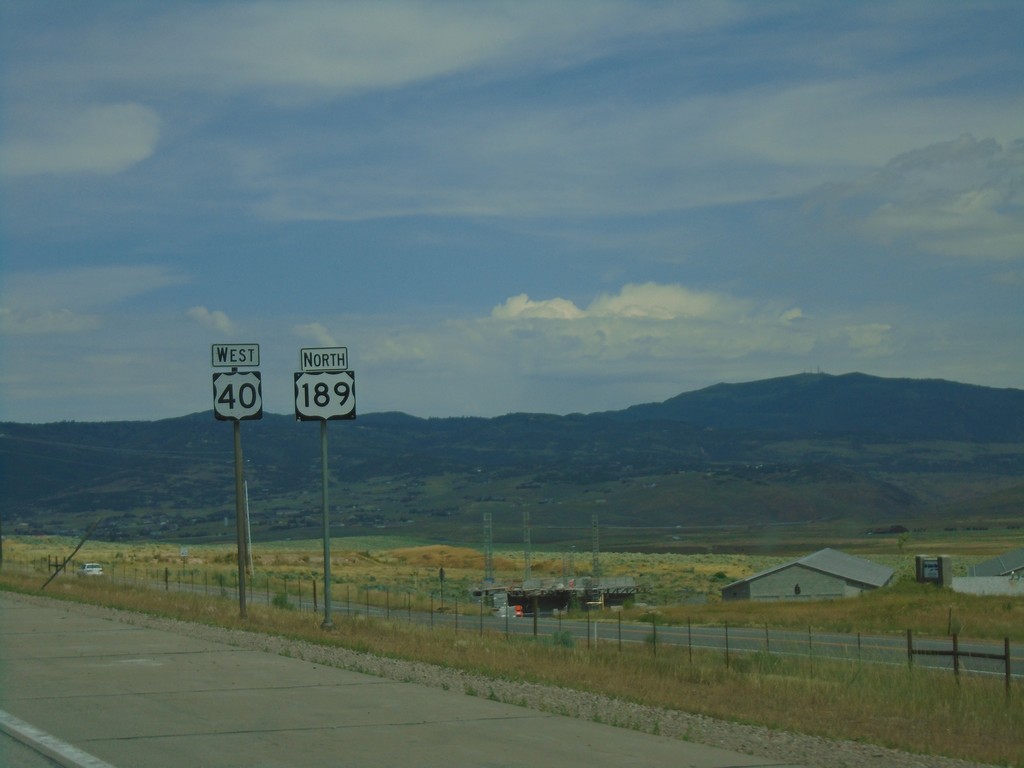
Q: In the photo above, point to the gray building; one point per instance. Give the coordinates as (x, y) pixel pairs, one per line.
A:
(827, 573)
(1003, 565)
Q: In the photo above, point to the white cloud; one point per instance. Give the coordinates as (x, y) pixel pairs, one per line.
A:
(645, 342)
(303, 50)
(961, 198)
(634, 301)
(522, 306)
(103, 139)
(875, 338)
(73, 300)
(82, 288)
(13, 322)
(215, 320)
(317, 332)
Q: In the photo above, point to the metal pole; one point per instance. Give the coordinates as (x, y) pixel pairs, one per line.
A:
(1006, 658)
(248, 530)
(240, 526)
(327, 623)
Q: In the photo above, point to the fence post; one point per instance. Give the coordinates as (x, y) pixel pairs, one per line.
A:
(620, 631)
(1006, 657)
(910, 647)
(315, 609)
(689, 639)
(654, 633)
(767, 641)
(956, 658)
(727, 645)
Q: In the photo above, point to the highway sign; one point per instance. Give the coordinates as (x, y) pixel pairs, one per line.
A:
(235, 355)
(325, 395)
(237, 396)
(323, 359)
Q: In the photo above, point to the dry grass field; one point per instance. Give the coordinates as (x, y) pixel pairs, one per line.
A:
(909, 709)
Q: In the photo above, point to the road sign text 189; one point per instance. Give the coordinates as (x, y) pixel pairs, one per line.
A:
(325, 395)
(321, 394)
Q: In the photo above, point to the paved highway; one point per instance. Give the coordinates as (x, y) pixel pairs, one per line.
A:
(98, 693)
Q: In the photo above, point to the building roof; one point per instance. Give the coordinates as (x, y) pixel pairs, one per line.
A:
(999, 566)
(835, 563)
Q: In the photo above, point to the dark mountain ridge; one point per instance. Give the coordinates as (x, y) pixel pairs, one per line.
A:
(791, 449)
(853, 403)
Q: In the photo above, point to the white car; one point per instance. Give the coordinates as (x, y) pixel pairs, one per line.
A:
(90, 569)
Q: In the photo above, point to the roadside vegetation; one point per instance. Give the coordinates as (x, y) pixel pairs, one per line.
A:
(905, 708)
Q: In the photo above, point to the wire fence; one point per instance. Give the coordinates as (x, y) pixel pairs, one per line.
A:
(444, 610)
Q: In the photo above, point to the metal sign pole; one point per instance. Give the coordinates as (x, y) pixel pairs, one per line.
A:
(325, 390)
(238, 396)
(327, 526)
(240, 518)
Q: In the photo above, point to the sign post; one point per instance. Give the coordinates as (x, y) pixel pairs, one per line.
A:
(324, 390)
(237, 397)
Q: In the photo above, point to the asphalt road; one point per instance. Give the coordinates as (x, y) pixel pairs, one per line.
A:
(96, 693)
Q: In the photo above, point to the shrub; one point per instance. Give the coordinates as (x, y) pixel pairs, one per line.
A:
(563, 639)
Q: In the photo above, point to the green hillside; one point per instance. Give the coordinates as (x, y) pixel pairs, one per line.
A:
(802, 450)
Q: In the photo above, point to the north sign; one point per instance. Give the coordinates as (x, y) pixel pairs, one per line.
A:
(237, 396)
(325, 395)
(323, 359)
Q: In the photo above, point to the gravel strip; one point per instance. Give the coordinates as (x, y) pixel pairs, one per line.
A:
(783, 746)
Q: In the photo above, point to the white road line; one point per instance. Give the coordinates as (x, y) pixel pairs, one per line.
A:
(55, 749)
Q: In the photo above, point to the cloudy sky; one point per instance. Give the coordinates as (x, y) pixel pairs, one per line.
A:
(504, 206)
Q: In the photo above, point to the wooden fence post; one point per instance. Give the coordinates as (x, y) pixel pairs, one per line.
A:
(1006, 657)
(956, 658)
(727, 645)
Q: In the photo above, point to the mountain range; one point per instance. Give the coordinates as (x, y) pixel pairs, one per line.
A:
(852, 450)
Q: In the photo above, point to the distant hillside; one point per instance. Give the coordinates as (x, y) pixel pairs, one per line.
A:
(854, 448)
(851, 404)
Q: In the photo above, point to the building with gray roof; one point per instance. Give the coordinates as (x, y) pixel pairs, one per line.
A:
(825, 574)
(1003, 565)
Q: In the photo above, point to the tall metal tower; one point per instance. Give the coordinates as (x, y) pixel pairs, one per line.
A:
(488, 549)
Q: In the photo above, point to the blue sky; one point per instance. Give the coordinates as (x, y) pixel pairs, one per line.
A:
(498, 207)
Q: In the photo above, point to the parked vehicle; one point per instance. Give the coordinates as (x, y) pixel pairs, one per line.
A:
(90, 569)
